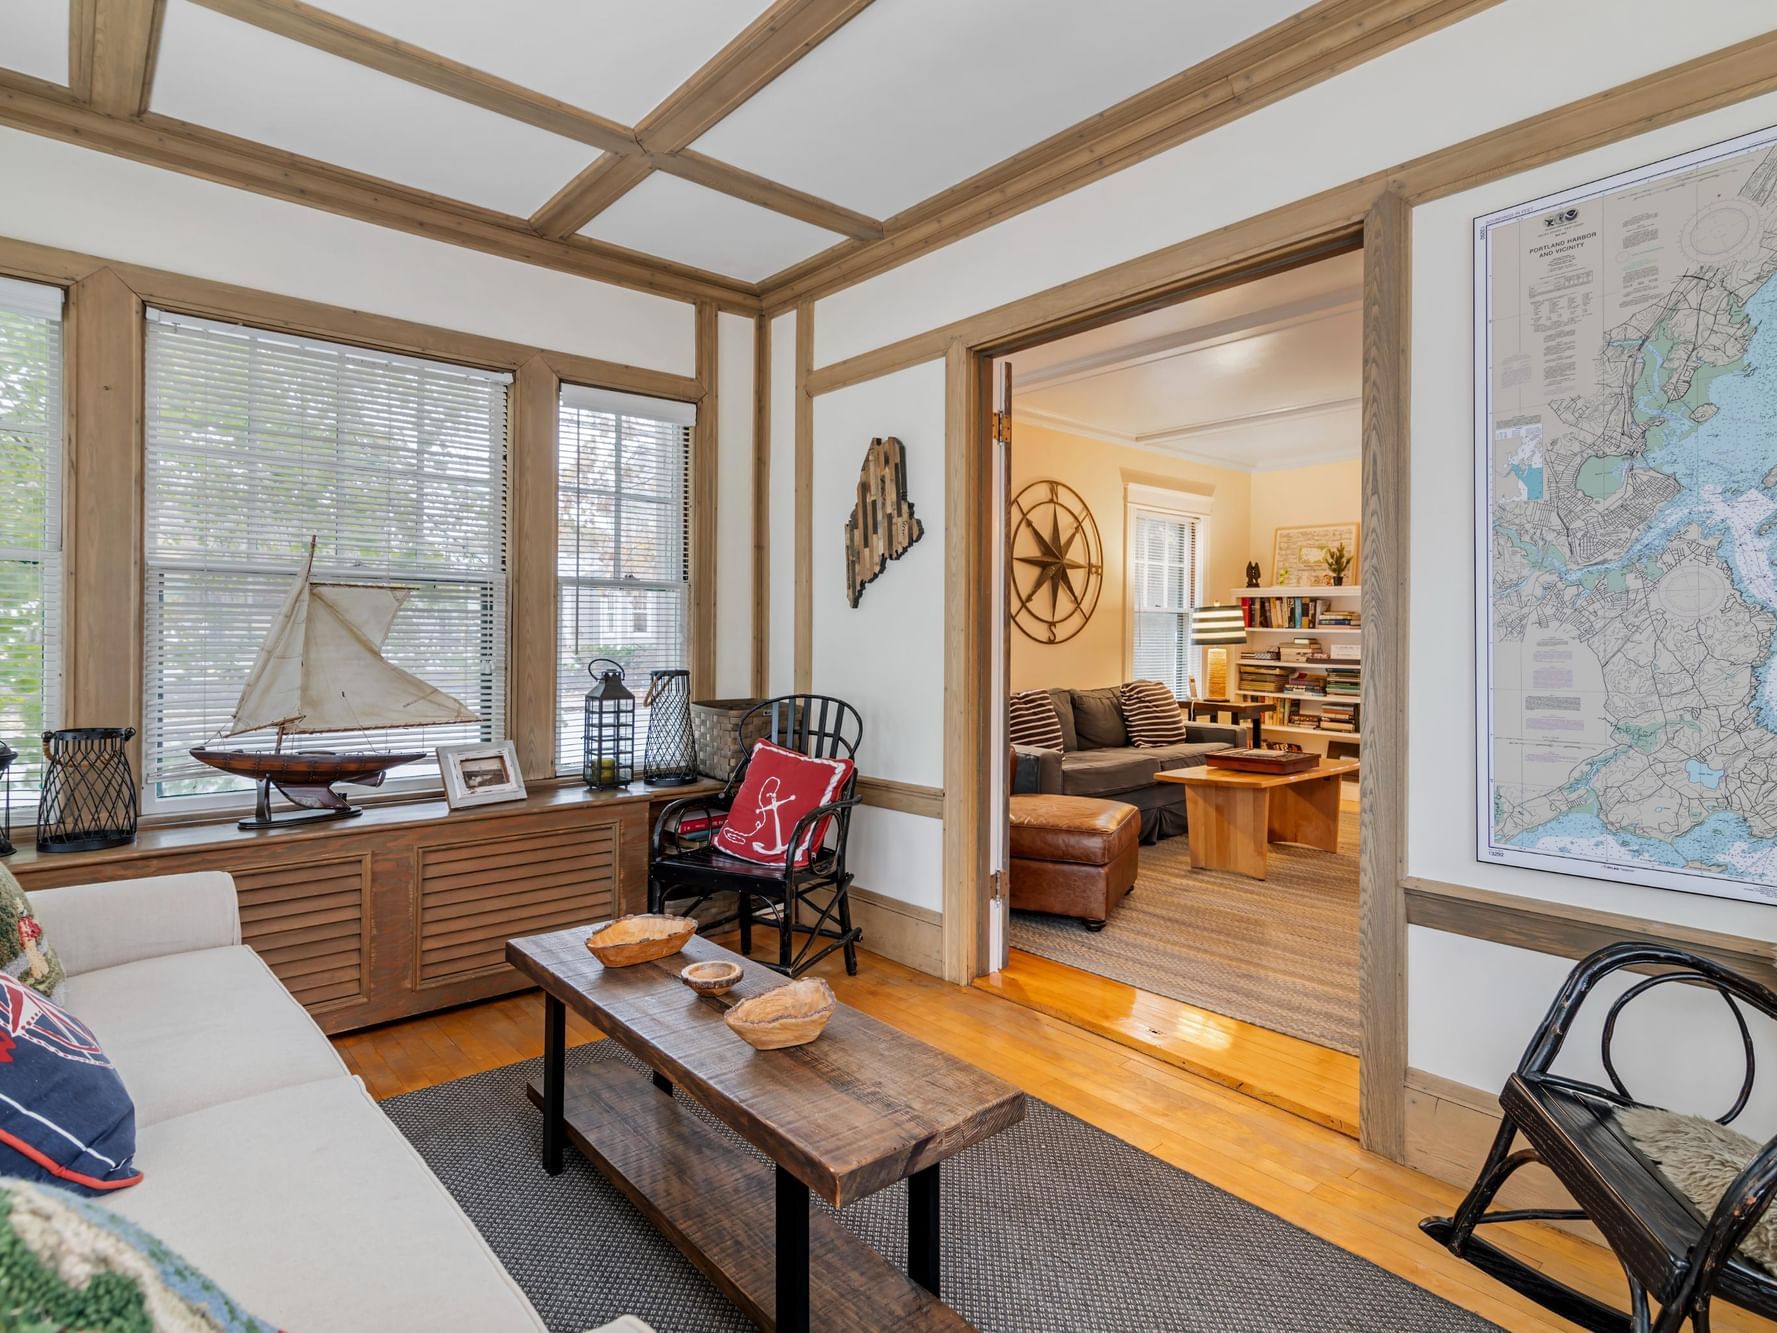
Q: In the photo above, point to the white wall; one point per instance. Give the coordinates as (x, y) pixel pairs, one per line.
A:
(1502, 65)
(886, 655)
(1471, 1005)
(78, 199)
(734, 506)
(782, 613)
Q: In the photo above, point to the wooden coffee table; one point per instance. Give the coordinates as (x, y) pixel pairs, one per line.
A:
(1232, 816)
(860, 1108)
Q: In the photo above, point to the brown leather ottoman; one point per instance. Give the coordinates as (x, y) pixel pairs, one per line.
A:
(1073, 855)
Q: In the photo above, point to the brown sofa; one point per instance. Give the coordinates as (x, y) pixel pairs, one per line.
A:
(1096, 759)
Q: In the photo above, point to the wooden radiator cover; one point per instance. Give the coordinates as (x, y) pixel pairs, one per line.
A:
(308, 922)
(408, 907)
(474, 896)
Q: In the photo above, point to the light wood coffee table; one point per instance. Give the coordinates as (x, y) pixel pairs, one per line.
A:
(1234, 816)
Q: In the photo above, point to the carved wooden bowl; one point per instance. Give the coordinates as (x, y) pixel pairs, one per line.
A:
(791, 1015)
(713, 977)
(640, 938)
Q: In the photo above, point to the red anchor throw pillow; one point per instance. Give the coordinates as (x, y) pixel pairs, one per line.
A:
(781, 786)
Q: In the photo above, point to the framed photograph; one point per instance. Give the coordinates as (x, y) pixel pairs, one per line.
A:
(1303, 553)
(480, 774)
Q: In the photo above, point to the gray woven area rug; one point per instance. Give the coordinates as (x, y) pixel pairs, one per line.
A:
(1052, 1225)
(1280, 952)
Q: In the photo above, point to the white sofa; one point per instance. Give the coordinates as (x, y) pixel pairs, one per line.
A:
(265, 1162)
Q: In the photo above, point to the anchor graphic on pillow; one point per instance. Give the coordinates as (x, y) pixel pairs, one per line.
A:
(771, 802)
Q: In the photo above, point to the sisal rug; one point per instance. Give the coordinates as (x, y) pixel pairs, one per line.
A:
(1280, 952)
(1051, 1227)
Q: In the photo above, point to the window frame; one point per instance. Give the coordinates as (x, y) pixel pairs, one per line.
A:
(496, 619)
(1177, 506)
(567, 756)
(48, 302)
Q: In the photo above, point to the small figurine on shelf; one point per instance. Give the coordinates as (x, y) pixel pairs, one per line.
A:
(1338, 560)
(1252, 573)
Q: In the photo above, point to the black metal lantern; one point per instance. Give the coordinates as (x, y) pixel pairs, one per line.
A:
(89, 794)
(671, 759)
(610, 736)
(7, 755)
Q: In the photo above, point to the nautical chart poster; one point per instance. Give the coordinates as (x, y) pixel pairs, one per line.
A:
(1626, 485)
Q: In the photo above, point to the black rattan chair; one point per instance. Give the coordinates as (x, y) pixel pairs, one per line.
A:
(688, 875)
(1671, 1253)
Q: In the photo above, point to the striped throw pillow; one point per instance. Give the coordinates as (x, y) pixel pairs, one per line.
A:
(1034, 722)
(1151, 714)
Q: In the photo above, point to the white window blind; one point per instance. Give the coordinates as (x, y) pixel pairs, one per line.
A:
(1164, 586)
(258, 441)
(30, 520)
(622, 553)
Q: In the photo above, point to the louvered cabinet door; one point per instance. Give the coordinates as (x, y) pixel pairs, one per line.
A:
(474, 896)
(307, 920)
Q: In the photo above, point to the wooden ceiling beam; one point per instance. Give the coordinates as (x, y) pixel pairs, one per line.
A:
(365, 46)
(194, 150)
(1325, 39)
(112, 45)
(770, 44)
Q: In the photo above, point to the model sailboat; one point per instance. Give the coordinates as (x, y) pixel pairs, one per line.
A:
(321, 669)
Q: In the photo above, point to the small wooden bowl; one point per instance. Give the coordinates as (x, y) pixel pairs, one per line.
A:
(640, 938)
(791, 1015)
(713, 977)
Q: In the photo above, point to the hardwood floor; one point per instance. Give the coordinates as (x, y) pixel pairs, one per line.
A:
(1287, 1072)
(1310, 1175)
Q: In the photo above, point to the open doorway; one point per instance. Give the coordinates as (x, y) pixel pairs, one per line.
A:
(1182, 499)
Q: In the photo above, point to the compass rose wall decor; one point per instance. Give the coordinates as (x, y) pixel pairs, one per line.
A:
(1057, 562)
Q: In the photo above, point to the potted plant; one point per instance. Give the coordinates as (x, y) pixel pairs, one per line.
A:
(1338, 560)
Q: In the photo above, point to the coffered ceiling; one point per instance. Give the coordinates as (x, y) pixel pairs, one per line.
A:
(742, 151)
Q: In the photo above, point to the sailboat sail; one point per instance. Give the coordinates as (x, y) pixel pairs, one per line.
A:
(321, 668)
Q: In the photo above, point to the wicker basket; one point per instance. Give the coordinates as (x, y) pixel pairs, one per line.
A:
(715, 731)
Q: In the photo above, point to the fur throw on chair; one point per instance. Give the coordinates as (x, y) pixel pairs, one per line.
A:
(1701, 1158)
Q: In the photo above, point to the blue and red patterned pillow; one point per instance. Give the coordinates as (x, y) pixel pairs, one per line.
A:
(65, 1117)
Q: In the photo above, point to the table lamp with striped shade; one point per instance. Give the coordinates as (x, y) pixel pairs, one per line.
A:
(1215, 627)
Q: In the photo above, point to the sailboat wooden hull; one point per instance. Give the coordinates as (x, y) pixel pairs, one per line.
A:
(305, 779)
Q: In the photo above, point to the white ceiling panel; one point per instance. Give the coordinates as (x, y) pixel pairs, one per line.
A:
(1266, 374)
(614, 57)
(913, 96)
(239, 79)
(34, 38)
(677, 220)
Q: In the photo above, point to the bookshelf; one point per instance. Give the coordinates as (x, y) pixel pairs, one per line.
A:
(1316, 697)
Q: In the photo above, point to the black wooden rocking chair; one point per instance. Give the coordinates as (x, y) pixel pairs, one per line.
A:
(812, 724)
(1671, 1253)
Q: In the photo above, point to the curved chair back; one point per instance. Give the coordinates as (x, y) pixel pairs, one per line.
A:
(816, 725)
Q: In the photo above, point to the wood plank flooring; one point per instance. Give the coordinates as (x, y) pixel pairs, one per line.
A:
(1309, 1080)
(1313, 1176)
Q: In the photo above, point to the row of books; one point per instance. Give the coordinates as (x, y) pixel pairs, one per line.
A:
(1294, 613)
(1339, 717)
(1344, 680)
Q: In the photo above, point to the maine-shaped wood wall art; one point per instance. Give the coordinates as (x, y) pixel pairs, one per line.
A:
(882, 525)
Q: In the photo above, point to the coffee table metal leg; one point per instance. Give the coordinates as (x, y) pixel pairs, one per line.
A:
(555, 1047)
(792, 1254)
(923, 1228)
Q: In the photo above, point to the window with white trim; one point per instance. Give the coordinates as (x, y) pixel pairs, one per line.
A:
(396, 466)
(31, 521)
(622, 555)
(1165, 582)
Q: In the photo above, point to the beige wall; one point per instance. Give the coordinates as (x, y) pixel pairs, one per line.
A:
(1300, 497)
(1099, 470)
(1245, 509)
